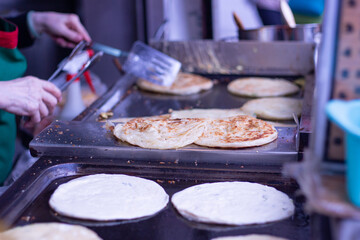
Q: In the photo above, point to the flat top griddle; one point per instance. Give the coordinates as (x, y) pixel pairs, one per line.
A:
(27, 200)
(86, 137)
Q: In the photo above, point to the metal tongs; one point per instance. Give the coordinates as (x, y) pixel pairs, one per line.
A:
(87, 65)
(73, 53)
(79, 47)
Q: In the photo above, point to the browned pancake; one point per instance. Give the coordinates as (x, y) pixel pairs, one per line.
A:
(185, 84)
(237, 132)
(160, 133)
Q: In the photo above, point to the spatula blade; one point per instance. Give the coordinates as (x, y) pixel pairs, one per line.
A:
(152, 65)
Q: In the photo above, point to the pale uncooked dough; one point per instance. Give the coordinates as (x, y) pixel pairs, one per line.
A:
(104, 197)
(49, 231)
(233, 203)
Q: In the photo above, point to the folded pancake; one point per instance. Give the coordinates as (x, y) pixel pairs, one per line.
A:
(237, 132)
(280, 108)
(184, 84)
(49, 231)
(262, 87)
(160, 133)
(233, 203)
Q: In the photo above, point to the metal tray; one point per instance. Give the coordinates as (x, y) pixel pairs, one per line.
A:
(85, 137)
(26, 201)
(92, 140)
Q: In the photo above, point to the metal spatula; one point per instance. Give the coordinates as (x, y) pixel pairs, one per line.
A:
(145, 62)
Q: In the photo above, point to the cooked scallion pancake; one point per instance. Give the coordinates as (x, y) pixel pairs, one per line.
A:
(160, 133)
(281, 108)
(184, 84)
(237, 132)
(262, 87)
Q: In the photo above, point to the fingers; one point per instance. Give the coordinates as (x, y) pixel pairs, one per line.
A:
(34, 119)
(50, 101)
(43, 102)
(50, 96)
(52, 89)
(66, 33)
(76, 25)
(43, 110)
(66, 29)
(63, 43)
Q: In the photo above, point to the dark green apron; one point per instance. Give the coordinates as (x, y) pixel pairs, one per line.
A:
(12, 65)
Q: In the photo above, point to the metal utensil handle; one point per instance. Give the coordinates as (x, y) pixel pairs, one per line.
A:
(88, 64)
(108, 50)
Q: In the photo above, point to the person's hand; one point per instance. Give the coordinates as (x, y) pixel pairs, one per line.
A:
(65, 29)
(29, 96)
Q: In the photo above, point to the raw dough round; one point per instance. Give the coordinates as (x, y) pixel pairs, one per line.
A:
(106, 197)
(49, 231)
(233, 203)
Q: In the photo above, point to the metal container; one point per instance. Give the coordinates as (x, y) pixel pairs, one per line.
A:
(302, 32)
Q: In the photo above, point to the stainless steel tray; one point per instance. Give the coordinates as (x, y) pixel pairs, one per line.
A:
(78, 139)
(85, 137)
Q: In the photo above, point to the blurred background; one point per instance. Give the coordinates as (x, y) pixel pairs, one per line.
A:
(119, 23)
